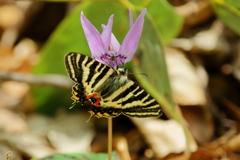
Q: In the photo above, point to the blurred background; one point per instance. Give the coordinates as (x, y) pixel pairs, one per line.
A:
(189, 49)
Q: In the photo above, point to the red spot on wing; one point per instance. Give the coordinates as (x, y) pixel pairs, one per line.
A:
(97, 103)
(88, 97)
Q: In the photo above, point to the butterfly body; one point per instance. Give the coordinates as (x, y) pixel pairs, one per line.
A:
(111, 92)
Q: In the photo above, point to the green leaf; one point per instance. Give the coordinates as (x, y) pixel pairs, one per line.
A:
(151, 60)
(229, 12)
(79, 156)
(168, 22)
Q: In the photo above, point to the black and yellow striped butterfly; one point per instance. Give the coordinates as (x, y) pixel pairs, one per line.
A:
(111, 92)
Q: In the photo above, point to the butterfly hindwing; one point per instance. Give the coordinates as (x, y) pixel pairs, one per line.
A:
(110, 91)
(139, 103)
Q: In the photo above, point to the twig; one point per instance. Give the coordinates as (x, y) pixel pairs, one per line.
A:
(110, 138)
(53, 80)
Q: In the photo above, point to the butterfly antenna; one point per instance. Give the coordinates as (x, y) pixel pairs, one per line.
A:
(133, 66)
(137, 73)
(140, 74)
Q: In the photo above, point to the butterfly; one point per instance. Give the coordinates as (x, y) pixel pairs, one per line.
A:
(110, 91)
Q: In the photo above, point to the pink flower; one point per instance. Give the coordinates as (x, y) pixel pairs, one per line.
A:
(105, 48)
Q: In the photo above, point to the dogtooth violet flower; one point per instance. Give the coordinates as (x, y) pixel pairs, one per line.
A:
(105, 48)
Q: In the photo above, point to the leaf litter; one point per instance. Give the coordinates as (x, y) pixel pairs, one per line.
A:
(209, 104)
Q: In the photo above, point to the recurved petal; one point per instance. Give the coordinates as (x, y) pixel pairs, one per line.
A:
(107, 31)
(130, 42)
(114, 42)
(130, 17)
(93, 37)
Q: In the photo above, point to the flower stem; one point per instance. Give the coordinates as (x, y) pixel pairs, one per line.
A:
(110, 138)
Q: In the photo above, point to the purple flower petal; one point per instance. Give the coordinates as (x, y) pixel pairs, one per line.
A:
(130, 17)
(107, 59)
(130, 42)
(114, 41)
(93, 37)
(120, 60)
(106, 34)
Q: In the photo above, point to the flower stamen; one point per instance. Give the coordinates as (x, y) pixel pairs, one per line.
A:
(110, 47)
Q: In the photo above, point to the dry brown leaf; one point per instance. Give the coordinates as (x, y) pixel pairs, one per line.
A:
(224, 139)
(13, 93)
(204, 154)
(233, 108)
(7, 149)
(25, 54)
(10, 16)
(186, 86)
(6, 57)
(15, 89)
(233, 145)
(200, 123)
(222, 148)
(67, 132)
(121, 146)
(5, 50)
(32, 145)
(195, 12)
(210, 41)
(12, 122)
(71, 133)
(63, 134)
(163, 137)
(21, 58)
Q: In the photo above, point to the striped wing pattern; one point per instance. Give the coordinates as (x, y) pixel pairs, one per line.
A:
(111, 92)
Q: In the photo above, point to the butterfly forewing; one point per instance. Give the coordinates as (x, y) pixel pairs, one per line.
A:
(83, 69)
(110, 91)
